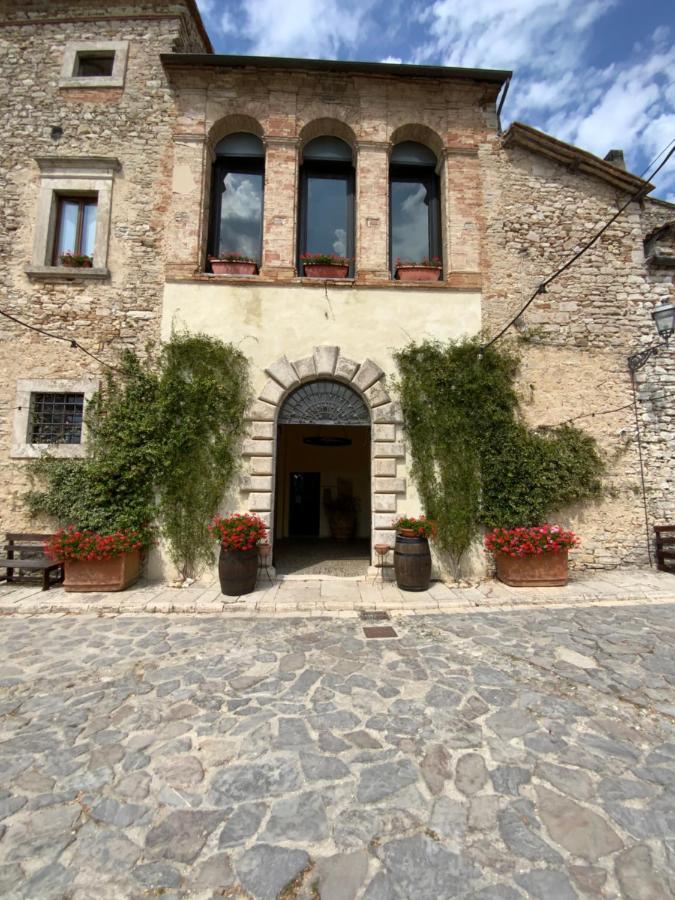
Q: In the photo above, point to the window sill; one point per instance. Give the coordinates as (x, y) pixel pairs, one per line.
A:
(66, 273)
(455, 281)
(55, 451)
(101, 81)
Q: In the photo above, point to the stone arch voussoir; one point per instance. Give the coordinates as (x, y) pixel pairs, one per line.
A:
(387, 448)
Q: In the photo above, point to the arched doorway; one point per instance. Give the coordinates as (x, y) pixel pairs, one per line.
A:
(387, 449)
(323, 494)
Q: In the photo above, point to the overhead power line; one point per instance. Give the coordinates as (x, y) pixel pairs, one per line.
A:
(541, 287)
(75, 344)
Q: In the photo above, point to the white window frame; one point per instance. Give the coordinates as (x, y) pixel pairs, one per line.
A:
(69, 78)
(72, 176)
(21, 449)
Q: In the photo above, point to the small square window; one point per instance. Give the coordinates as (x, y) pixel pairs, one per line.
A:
(94, 64)
(55, 418)
(75, 233)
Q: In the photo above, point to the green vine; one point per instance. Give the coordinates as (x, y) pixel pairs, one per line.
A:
(474, 463)
(163, 440)
(204, 391)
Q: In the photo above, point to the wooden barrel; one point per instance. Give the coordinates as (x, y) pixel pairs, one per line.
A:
(412, 563)
(238, 570)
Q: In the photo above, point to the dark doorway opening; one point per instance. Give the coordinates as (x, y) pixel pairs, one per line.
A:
(322, 517)
(304, 504)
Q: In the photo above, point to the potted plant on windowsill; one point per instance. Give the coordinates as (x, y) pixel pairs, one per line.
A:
(98, 562)
(427, 269)
(76, 260)
(534, 556)
(239, 535)
(233, 264)
(412, 556)
(325, 265)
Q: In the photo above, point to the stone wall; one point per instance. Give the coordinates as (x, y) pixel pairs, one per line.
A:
(575, 338)
(134, 125)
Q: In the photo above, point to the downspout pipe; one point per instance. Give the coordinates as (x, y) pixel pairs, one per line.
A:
(501, 102)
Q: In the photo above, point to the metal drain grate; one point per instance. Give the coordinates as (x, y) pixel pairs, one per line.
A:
(379, 631)
(373, 615)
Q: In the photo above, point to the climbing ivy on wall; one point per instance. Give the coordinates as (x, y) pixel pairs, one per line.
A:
(163, 438)
(473, 461)
(204, 391)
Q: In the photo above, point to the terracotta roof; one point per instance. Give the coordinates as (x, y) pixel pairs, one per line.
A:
(521, 135)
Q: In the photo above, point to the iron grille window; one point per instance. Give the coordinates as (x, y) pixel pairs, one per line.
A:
(55, 418)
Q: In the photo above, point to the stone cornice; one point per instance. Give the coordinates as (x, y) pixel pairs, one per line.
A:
(72, 165)
(270, 140)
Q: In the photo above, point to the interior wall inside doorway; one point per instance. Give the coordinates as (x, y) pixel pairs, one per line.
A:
(350, 463)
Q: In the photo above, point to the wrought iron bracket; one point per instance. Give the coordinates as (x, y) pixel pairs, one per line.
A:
(638, 360)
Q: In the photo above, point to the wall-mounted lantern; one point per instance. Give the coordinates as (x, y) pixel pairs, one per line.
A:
(664, 319)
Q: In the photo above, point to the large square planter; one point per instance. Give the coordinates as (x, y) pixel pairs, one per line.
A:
(221, 267)
(114, 574)
(544, 570)
(324, 270)
(418, 273)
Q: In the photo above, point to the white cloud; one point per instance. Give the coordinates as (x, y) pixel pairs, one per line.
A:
(629, 104)
(300, 28)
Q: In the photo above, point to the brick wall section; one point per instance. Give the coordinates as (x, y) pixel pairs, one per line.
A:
(135, 125)
(370, 113)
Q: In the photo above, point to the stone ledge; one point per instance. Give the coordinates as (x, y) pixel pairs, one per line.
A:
(66, 273)
(455, 281)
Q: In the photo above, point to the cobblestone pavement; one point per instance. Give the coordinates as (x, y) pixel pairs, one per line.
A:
(491, 755)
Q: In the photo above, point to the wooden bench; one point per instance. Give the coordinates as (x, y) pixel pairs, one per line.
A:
(31, 558)
(665, 547)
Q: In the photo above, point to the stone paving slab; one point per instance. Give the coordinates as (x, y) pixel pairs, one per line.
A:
(497, 754)
(329, 596)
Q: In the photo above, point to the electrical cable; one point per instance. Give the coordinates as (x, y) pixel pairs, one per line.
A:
(74, 344)
(604, 412)
(541, 288)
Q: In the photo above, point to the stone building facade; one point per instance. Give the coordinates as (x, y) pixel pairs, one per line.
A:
(149, 140)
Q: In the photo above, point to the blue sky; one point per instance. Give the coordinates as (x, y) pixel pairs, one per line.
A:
(597, 73)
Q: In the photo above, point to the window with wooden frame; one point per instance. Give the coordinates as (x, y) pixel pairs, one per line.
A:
(235, 223)
(75, 231)
(414, 204)
(326, 209)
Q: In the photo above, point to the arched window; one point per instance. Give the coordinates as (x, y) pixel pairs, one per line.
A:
(237, 197)
(415, 219)
(326, 221)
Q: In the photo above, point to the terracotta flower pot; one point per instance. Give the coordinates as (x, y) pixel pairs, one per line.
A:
(221, 267)
(418, 273)
(407, 532)
(69, 264)
(114, 574)
(544, 570)
(325, 270)
(238, 571)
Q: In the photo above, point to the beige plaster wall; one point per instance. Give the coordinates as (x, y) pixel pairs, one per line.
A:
(269, 321)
